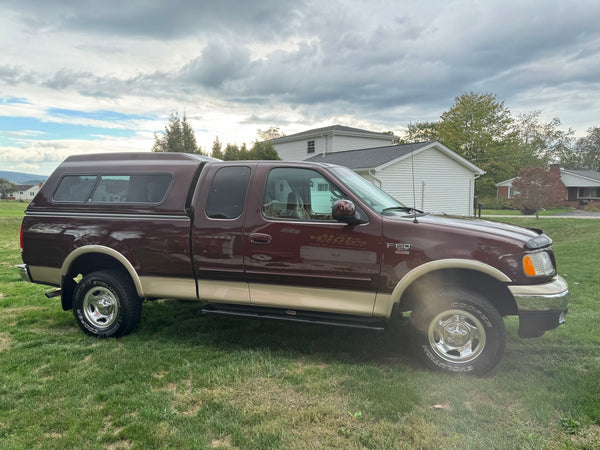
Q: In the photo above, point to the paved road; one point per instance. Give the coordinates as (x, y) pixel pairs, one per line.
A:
(575, 214)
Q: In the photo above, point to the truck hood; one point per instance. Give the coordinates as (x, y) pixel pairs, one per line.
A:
(531, 238)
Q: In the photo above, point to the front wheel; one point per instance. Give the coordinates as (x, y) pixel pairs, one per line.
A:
(458, 331)
(105, 304)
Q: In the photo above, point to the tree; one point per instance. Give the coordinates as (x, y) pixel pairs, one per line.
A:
(231, 153)
(270, 133)
(538, 188)
(6, 187)
(420, 132)
(259, 150)
(217, 147)
(177, 137)
(477, 126)
(263, 150)
(542, 142)
(588, 147)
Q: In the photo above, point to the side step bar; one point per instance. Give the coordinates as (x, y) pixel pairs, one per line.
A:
(256, 312)
(53, 294)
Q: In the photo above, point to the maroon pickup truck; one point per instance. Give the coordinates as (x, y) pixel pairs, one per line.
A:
(278, 240)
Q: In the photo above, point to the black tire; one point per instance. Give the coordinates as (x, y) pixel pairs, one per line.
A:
(458, 330)
(106, 304)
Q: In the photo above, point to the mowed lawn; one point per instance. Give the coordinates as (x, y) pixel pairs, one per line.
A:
(188, 381)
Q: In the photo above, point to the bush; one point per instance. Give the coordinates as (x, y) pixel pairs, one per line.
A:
(490, 202)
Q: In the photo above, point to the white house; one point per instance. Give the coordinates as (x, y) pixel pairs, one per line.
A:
(444, 182)
(24, 192)
(428, 175)
(321, 141)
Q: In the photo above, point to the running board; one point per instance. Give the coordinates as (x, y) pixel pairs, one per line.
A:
(53, 294)
(257, 312)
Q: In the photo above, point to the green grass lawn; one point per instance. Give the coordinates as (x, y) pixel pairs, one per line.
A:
(189, 381)
(516, 212)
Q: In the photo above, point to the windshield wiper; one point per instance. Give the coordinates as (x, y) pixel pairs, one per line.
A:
(403, 208)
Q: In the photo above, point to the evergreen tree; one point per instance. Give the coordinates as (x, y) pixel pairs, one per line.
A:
(177, 137)
(217, 151)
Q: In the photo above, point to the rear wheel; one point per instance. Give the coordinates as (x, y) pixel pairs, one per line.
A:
(105, 304)
(458, 331)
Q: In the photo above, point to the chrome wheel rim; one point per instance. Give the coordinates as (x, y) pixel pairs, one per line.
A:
(100, 307)
(456, 336)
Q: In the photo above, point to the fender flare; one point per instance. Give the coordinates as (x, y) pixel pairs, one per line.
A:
(441, 264)
(80, 251)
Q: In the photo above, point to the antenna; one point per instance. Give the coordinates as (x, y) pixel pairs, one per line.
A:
(412, 163)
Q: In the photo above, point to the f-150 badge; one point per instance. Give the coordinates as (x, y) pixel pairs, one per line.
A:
(399, 248)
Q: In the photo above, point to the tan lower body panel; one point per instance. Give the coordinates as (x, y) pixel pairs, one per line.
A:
(313, 299)
(166, 287)
(46, 275)
(224, 291)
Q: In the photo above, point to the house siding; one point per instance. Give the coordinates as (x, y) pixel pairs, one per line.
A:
(503, 192)
(442, 185)
(25, 193)
(297, 150)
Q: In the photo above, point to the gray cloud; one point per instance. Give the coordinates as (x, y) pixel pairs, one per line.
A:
(161, 19)
(375, 59)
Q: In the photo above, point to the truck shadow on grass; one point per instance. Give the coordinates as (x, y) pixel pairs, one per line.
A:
(183, 322)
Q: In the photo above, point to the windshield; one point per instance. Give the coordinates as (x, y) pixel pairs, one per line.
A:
(367, 192)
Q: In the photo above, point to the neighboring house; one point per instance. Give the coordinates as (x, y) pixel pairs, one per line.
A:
(504, 189)
(581, 187)
(24, 192)
(322, 141)
(428, 176)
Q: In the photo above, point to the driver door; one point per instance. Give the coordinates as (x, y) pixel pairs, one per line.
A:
(297, 256)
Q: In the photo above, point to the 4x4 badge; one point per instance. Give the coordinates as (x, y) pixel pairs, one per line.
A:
(399, 247)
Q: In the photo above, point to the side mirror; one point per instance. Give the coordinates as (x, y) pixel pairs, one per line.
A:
(344, 211)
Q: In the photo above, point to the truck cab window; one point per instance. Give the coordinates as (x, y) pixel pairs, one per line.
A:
(299, 194)
(227, 192)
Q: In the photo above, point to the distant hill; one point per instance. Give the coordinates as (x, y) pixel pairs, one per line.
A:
(22, 178)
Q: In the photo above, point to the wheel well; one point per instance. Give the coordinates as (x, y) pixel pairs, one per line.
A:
(494, 290)
(84, 265)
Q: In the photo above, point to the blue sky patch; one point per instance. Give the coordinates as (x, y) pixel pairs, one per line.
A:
(97, 115)
(13, 130)
(14, 101)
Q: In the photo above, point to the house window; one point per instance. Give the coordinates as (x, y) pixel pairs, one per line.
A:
(588, 192)
(310, 147)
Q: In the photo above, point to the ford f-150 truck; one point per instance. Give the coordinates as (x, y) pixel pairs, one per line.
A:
(297, 241)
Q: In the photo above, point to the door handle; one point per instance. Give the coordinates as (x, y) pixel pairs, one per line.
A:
(260, 238)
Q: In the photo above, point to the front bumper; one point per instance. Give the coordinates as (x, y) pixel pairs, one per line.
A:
(24, 272)
(542, 307)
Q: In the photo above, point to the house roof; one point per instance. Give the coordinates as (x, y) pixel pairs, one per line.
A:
(381, 157)
(506, 182)
(588, 175)
(23, 187)
(334, 129)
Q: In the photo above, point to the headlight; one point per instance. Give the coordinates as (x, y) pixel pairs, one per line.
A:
(538, 264)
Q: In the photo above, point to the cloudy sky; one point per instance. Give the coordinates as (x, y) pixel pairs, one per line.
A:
(87, 76)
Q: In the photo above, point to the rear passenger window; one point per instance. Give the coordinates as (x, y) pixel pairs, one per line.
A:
(227, 193)
(75, 188)
(113, 188)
